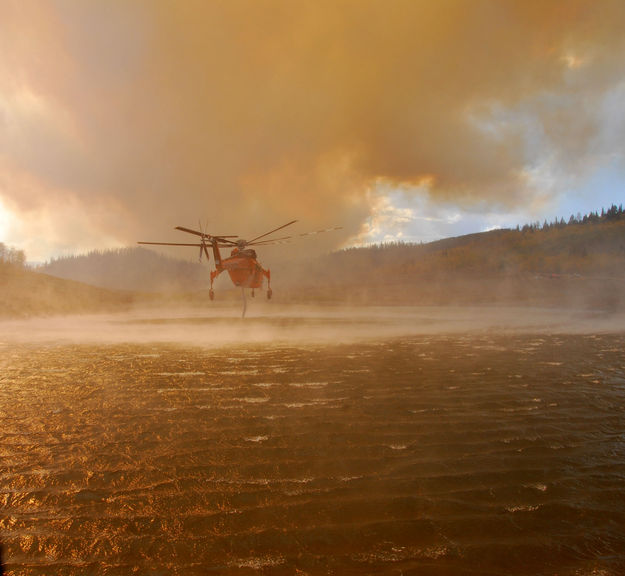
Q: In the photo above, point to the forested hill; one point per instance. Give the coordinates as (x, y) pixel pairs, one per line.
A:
(596, 248)
(24, 293)
(136, 269)
(579, 262)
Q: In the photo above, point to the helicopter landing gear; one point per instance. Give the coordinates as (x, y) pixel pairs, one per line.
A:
(269, 293)
(211, 294)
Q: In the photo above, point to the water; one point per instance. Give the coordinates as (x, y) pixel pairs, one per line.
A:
(481, 453)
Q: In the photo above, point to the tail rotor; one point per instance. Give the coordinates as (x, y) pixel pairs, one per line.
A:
(203, 245)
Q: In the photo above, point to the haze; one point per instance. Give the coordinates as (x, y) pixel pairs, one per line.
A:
(121, 120)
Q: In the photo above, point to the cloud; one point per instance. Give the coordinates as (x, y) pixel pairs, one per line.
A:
(413, 215)
(249, 114)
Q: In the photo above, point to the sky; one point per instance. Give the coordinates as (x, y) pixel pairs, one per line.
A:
(397, 120)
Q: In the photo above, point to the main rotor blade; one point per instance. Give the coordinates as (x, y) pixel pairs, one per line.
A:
(320, 231)
(222, 240)
(267, 233)
(269, 240)
(202, 234)
(168, 244)
(190, 231)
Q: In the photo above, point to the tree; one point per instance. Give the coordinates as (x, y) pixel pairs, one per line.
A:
(10, 257)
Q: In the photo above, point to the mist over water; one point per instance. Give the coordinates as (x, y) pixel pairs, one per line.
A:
(222, 325)
(345, 441)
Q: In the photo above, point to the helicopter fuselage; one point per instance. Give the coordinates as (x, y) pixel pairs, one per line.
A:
(242, 266)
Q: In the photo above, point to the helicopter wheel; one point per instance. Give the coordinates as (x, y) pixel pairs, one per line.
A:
(211, 294)
(269, 293)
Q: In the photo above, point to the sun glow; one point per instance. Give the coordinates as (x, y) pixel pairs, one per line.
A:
(4, 222)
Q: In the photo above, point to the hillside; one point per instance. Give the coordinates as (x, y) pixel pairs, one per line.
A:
(135, 269)
(582, 250)
(579, 264)
(27, 293)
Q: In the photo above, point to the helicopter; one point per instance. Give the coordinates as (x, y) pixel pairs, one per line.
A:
(242, 265)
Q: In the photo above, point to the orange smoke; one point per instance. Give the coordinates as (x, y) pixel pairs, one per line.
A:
(248, 114)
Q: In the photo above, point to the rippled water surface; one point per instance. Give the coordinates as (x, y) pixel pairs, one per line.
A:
(457, 454)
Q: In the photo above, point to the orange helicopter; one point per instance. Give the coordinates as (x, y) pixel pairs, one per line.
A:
(242, 265)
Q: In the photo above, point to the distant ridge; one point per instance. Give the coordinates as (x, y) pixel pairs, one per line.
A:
(26, 293)
(134, 269)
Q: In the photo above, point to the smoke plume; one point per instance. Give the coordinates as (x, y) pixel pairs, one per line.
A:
(120, 120)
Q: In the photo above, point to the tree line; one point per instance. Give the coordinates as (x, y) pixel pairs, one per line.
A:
(612, 214)
(11, 257)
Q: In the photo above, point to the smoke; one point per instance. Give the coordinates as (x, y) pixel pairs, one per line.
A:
(121, 120)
